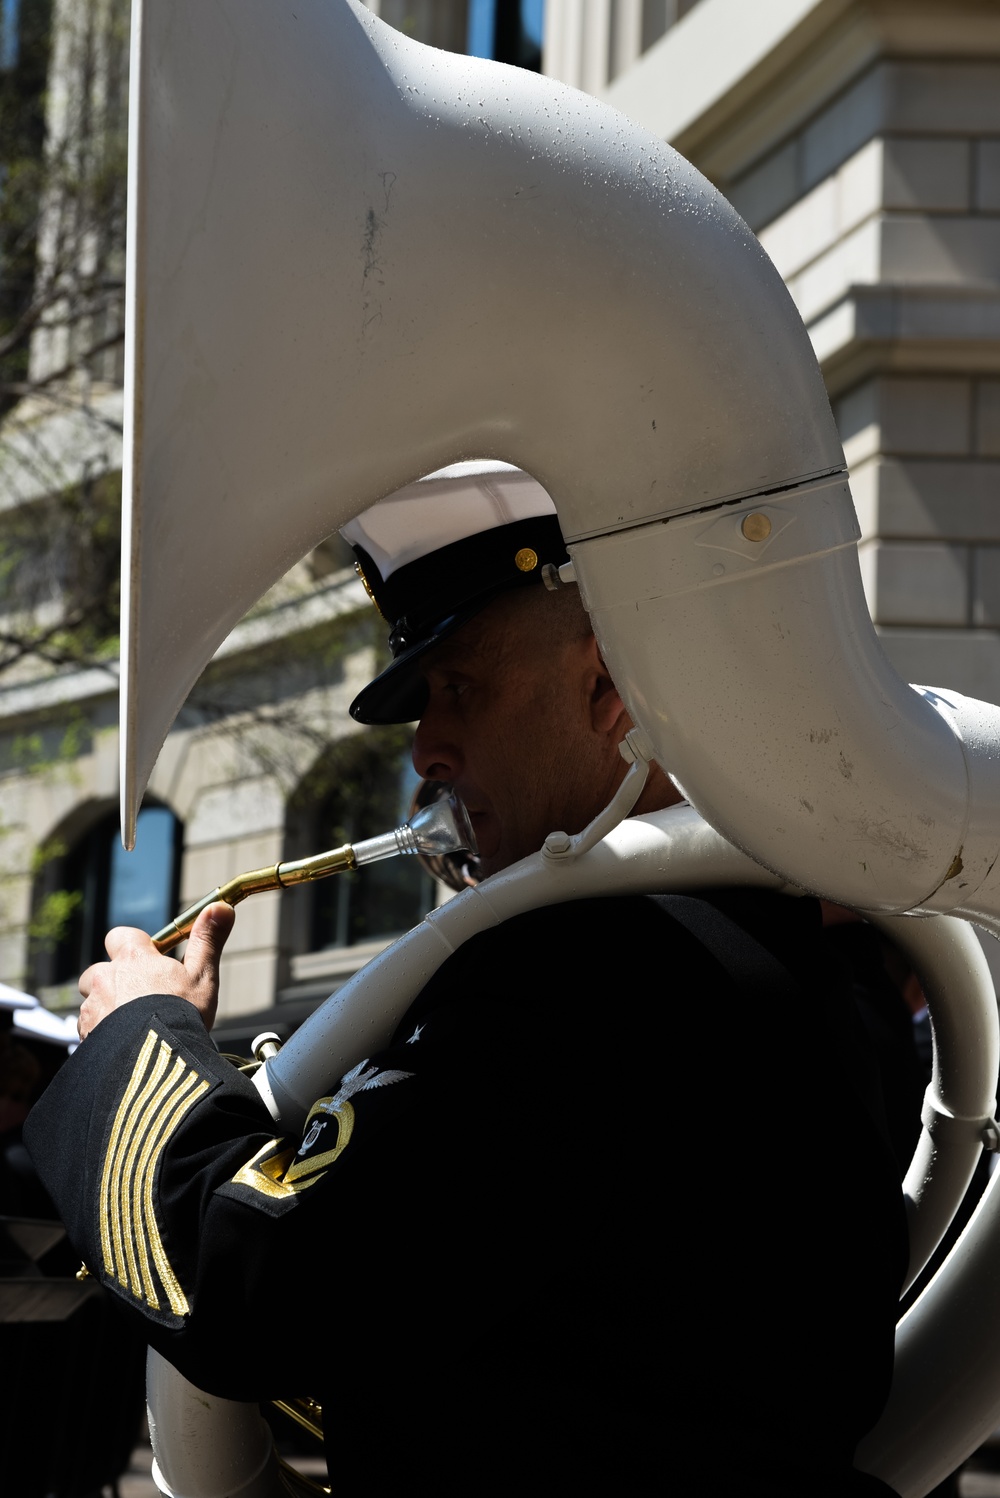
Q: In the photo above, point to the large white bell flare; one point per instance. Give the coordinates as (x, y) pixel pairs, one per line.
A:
(353, 259)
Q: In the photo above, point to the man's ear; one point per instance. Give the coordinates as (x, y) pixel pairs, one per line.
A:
(606, 707)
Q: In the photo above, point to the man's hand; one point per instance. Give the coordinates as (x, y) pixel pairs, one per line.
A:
(137, 968)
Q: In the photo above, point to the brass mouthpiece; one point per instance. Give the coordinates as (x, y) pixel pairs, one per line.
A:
(443, 827)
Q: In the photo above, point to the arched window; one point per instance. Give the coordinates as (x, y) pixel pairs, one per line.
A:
(95, 885)
(364, 786)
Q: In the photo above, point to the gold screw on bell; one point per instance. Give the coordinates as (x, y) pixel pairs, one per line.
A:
(756, 527)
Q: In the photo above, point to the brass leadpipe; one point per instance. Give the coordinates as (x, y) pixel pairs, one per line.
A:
(442, 827)
(254, 882)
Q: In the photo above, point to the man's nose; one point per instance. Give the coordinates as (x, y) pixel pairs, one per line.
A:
(435, 754)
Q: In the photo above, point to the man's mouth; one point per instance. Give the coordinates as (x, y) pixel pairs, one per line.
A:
(483, 825)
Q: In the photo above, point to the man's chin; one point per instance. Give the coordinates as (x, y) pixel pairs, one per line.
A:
(501, 858)
(497, 851)
(487, 866)
(494, 862)
(488, 841)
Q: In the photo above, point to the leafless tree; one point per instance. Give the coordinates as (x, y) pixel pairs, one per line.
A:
(63, 106)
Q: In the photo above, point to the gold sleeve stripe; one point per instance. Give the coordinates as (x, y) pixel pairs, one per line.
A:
(155, 1101)
(130, 1203)
(178, 1300)
(130, 1091)
(142, 1082)
(125, 1124)
(123, 1205)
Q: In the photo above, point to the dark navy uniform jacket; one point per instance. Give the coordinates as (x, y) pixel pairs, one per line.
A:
(614, 1210)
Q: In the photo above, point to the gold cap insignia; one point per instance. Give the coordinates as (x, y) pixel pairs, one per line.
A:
(368, 589)
(526, 560)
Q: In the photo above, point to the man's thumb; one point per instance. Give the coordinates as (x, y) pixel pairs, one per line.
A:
(208, 937)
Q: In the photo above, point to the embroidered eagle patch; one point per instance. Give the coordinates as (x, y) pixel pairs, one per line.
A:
(279, 1171)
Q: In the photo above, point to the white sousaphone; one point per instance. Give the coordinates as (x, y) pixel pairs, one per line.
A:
(328, 223)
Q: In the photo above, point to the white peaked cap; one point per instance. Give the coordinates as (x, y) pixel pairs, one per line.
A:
(435, 553)
(462, 500)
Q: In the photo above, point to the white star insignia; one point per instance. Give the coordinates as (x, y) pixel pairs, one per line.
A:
(415, 1036)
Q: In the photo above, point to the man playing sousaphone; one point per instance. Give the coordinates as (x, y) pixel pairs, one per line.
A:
(521, 1249)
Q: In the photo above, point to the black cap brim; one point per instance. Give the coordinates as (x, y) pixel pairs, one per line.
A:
(399, 693)
(452, 583)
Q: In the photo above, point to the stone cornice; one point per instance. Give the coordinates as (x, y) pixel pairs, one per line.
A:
(929, 329)
(732, 79)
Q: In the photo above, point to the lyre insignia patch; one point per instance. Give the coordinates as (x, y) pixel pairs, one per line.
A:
(280, 1172)
(161, 1090)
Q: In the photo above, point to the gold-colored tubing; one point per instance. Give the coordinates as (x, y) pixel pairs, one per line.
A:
(278, 876)
(305, 1412)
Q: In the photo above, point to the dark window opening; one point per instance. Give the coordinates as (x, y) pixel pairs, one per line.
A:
(363, 787)
(96, 885)
(507, 31)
